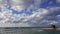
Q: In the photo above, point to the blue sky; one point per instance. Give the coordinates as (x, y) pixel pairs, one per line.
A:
(29, 13)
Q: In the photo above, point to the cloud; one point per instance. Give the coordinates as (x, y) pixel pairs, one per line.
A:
(37, 2)
(8, 19)
(54, 22)
(54, 8)
(14, 25)
(39, 17)
(43, 17)
(58, 1)
(0, 1)
(20, 5)
(16, 20)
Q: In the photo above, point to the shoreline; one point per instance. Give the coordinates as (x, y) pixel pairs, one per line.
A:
(29, 28)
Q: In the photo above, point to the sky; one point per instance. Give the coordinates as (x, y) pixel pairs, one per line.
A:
(29, 13)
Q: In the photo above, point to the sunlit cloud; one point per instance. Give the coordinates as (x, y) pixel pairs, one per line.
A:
(20, 5)
(39, 17)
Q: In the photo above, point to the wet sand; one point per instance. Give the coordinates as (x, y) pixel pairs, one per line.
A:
(51, 28)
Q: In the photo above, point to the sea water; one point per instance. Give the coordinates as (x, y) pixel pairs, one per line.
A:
(27, 31)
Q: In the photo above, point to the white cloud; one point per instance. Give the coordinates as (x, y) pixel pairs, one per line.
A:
(17, 2)
(16, 20)
(58, 15)
(58, 1)
(8, 19)
(18, 8)
(22, 25)
(37, 2)
(40, 12)
(54, 8)
(20, 5)
(54, 22)
(0, 1)
(14, 25)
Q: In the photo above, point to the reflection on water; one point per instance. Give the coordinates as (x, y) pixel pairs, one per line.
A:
(27, 31)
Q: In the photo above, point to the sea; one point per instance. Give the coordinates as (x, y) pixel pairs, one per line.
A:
(26, 30)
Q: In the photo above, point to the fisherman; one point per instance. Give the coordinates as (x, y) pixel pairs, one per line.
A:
(53, 26)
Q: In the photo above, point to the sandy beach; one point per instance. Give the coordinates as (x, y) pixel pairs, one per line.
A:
(51, 28)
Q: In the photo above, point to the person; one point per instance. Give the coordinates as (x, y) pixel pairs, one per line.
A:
(53, 26)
